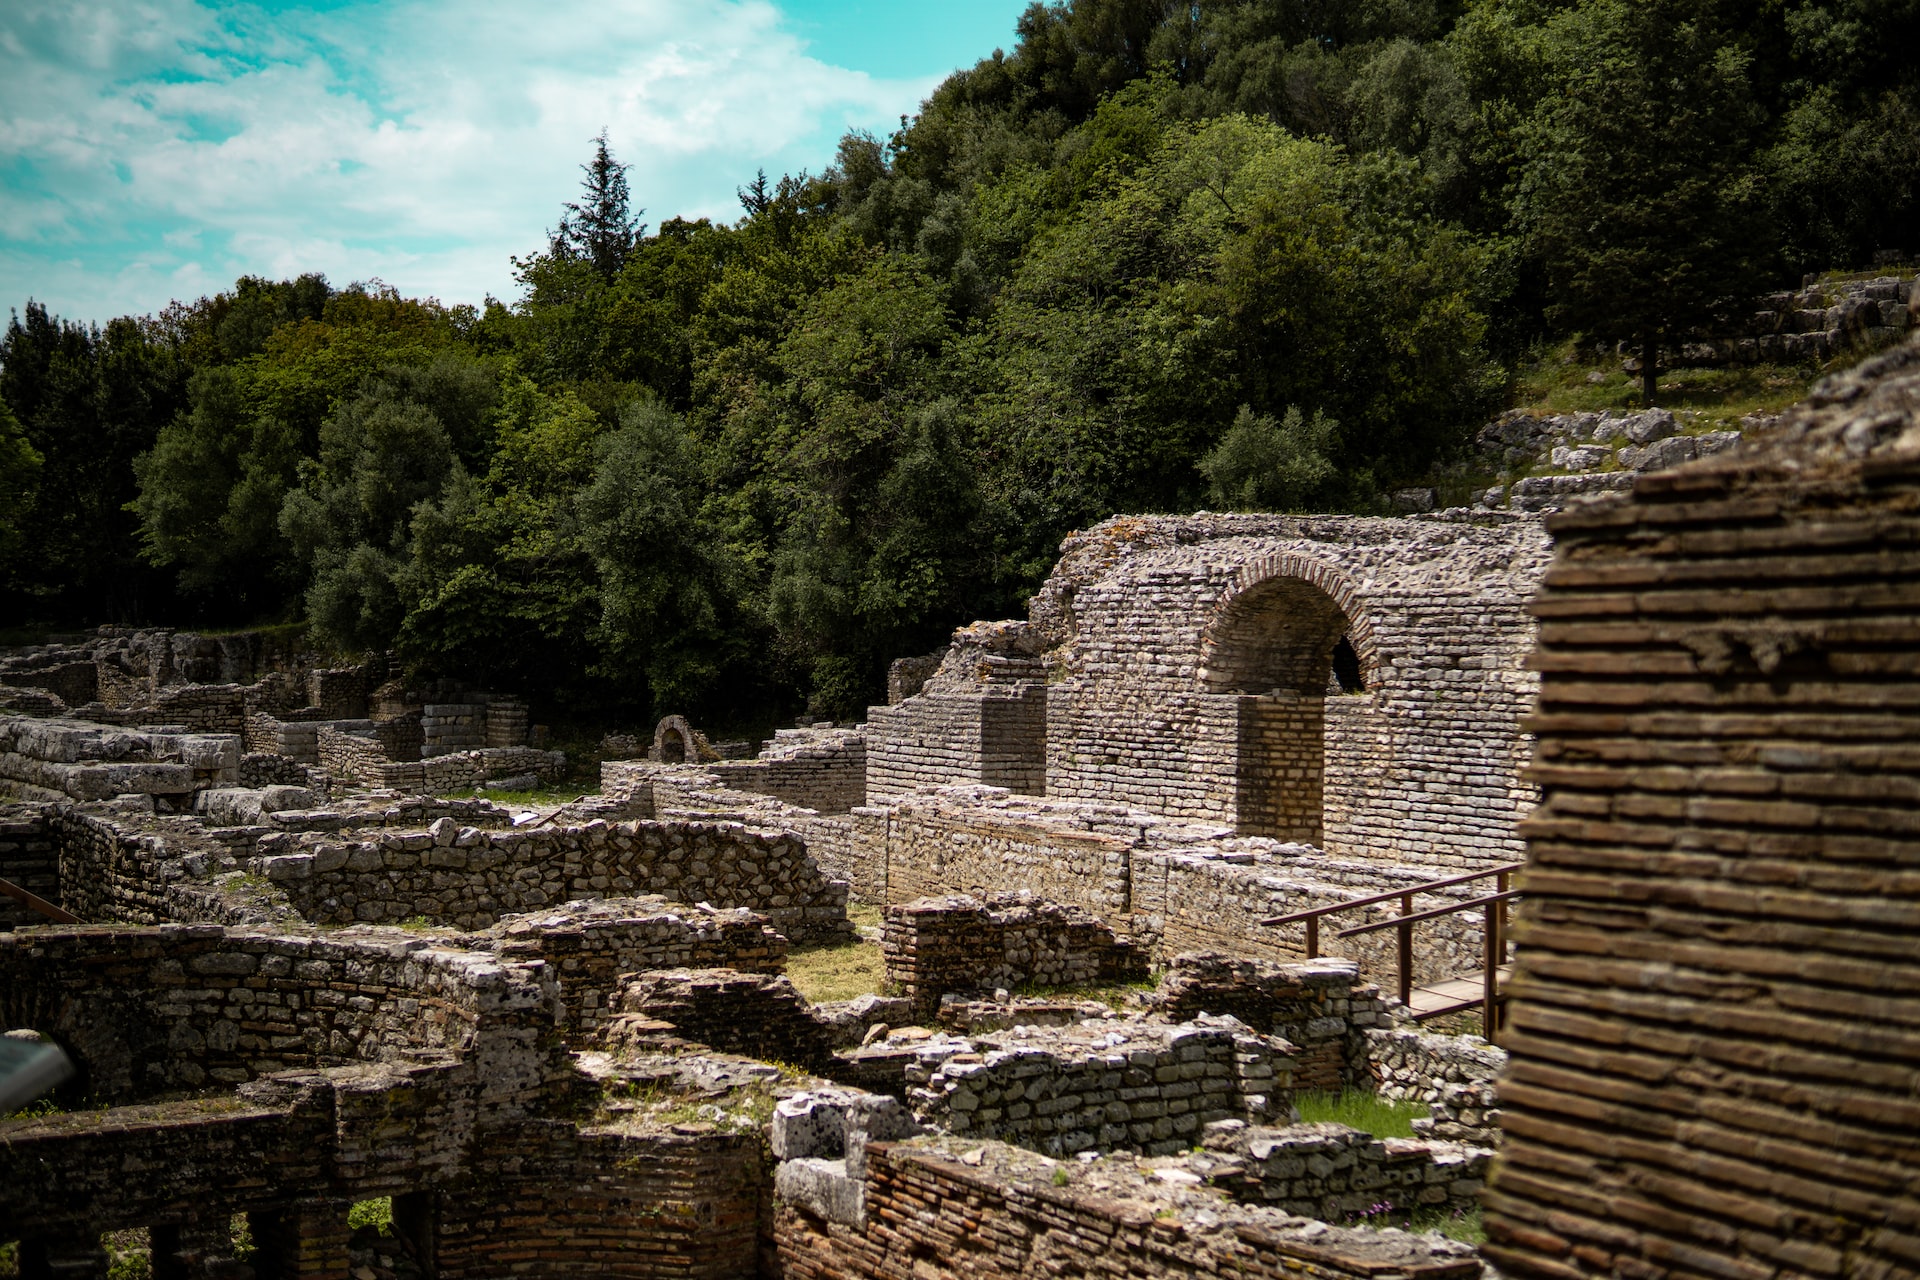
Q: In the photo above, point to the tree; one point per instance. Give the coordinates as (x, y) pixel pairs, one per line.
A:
(19, 484)
(599, 229)
(1264, 465)
(1638, 193)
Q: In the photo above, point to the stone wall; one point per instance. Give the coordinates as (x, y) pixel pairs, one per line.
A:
(471, 770)
(48, 759)
(179, 1006)
(1334, 1173)
(960, 944)
(1456, 1077)
(1187, 668)
(1712, 1049)
(589, 947)
(1214, 900)
(1320, 1007)
(29, 858)
(469, 878)
(823, 770)
(1131, 1086)
(933, 847)
(758, 1014)
(267, 769)
(990, 1213)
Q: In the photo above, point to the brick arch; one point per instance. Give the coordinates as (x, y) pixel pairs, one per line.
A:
(1265, 585)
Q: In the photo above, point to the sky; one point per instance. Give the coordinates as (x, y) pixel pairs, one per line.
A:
(159, 149)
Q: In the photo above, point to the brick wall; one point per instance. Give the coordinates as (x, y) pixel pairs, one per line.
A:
(30, 858)
(590, 946)
(960, 944)
(468, 877)
(610, 1204)
(1187, 665)
(1107, 1086)
(1712, 1044)
(929, 1214)
(182, 1006)
(1320, 1007)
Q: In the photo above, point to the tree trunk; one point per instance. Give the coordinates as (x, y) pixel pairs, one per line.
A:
(1649, 362)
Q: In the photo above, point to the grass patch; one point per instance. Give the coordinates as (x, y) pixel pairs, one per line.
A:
(1560, 381)
(838, 970)
(1464, 1225)
(523, 799)
(866, 915)
(1115, 995)
(1362, 1110)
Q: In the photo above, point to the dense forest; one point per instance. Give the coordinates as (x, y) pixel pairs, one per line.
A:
(1246, 254)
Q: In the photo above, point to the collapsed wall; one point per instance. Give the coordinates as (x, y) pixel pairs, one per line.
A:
(1713, 1058)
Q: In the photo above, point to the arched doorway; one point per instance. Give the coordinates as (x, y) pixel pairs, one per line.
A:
(674, 742)
(1280, 645)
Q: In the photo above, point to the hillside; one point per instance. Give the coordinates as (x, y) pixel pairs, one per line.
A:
(1243, 255)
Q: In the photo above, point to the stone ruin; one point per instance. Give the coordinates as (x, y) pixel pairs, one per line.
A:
(564, 1040)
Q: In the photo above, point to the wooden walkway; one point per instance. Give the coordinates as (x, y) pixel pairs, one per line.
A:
(1468, 991)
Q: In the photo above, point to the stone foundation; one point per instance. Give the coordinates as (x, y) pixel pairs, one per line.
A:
(958, 944)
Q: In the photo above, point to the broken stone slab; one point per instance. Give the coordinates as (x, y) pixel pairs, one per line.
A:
(824, 1189)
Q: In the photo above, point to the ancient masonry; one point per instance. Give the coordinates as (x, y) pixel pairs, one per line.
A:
(300, 966)
(1714, 1061)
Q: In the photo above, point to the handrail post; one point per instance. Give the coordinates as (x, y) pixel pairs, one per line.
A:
(1313, 937)
(1497, 952)
(1406, 951)
(1490, 992)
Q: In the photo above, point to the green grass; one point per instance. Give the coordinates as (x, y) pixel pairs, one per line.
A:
(1455, 1224)
(838, 970)
(1362, 1110)
(1558, 382)
(543, 795)
(1115, 995)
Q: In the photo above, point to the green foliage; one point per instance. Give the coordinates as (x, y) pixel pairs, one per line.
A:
(20, 466)
(1267, 255)
(1360, 1109)
(1263, 465)
(371, 1215)
(1639, 191)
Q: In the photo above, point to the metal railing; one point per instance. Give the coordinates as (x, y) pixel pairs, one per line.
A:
(1494, 905)
(35, 902)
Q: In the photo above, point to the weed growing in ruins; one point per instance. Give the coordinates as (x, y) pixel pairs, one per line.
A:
(1115, 995)
(527, 799)
(35, 1109)
(1361, 1109)
(1460, 1224)
(9, 1261)
(129, 1254)
(838, 970)
(416, 924)
(1061, 1177)
(372, 1215)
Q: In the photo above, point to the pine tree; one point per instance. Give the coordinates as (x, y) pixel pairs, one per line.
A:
(600, 229)
(1639, 195)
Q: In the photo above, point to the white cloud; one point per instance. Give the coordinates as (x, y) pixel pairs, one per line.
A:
(149, 150)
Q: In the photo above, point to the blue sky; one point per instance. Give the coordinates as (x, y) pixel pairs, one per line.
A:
(157, 149)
